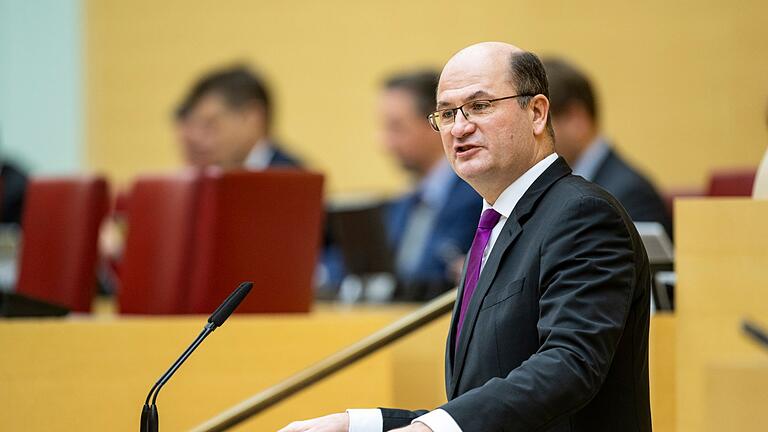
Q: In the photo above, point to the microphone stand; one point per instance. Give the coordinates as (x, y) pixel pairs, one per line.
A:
(150, 419)
(149, 415)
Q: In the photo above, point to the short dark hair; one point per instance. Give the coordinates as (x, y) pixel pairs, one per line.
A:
(238, 86)
(529, 77)
(568, 85)
(422, 85)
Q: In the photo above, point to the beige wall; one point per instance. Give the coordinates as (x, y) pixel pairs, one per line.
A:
(683, 84)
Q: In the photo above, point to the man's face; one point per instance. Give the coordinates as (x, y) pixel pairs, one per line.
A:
(564, 145)
(215, 134)
(494, 149)
(405, 132)
(574, 130)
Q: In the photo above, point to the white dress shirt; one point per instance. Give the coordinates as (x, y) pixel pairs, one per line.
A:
(592, 158)
(260, 156)
(760, 189)
(433, 190)
(370, 420)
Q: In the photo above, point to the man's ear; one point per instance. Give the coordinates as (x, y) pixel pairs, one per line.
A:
(539, 106)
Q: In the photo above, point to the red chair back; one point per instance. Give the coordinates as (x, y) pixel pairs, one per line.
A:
(733, 182)
(154, 271)
(59, 250)
(263, 227)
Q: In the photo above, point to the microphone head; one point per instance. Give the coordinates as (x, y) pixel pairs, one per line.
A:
(233, 301)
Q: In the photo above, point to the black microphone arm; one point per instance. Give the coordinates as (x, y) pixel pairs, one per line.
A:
(149, 416)
(754, 331)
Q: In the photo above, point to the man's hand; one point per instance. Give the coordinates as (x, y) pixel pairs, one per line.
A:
(416, 427)
(329, 423)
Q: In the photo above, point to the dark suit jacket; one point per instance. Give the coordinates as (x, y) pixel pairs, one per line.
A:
(633, 190)
(281, 159)
(13, 184)
(556, 334)
(450, 237)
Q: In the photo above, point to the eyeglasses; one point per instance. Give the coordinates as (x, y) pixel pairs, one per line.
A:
(476, 108)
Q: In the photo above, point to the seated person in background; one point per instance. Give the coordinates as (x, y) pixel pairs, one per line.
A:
(575, 119)
(224, 121)
(13, 185)
(432, 226)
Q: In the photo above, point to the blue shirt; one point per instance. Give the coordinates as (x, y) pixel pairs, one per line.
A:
(591, 159)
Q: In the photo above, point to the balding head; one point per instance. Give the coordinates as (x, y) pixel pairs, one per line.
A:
(494, 146)
(482, 52)
(477, 62)
(523, 69)
(480, 59)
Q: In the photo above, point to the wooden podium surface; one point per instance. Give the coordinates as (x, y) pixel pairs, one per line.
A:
(661, 353)
(722, 277)
(94, 373)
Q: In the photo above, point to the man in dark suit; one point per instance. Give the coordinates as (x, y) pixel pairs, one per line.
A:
(13, 188)
(550, 329)
(225, 120)
(432, 226)
(575, 118)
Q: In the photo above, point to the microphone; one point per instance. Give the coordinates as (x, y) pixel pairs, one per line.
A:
(149, 416)
(225, 309)
(755, 332)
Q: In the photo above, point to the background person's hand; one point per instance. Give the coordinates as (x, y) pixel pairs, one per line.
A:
(330, 423)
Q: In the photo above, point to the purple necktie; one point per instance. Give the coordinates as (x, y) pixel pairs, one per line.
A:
(488, 220)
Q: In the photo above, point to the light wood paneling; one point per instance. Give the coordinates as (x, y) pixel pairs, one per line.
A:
(722, 278)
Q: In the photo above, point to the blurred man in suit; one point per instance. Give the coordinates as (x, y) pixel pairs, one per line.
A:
(431, 226)
(224, 121)
(13, 188)
(550, 328)
(575, 117)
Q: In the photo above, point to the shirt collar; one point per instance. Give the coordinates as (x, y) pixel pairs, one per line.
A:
(260, 156)
(591, 159)
(508, 199)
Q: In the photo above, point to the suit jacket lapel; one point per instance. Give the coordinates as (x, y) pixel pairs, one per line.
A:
(509, 233)
(451, 339)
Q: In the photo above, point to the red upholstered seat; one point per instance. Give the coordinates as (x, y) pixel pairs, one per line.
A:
(61, 224)
(732, 182)
(258, 226)
(193, 237)
(155, 268)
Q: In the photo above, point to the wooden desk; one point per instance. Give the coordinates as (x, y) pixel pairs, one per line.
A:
(662, 372)
(722, 277)
(736, 395)
(54, 371)
(93, 374)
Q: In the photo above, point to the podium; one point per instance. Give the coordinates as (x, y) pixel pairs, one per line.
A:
(722, 278)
